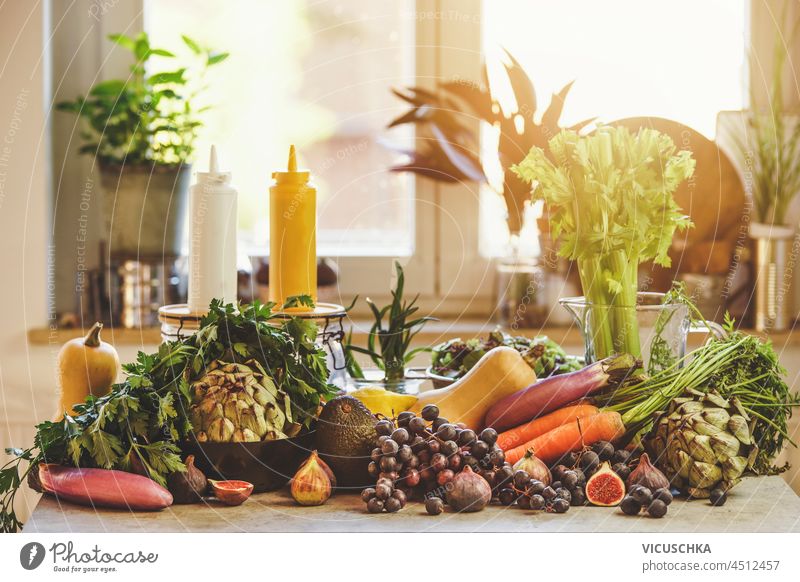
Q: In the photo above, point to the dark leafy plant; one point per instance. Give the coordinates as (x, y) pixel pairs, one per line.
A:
(388, 346)
(451, 155)
(150, 117)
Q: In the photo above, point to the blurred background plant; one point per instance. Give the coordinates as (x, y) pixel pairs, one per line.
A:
(451, 154)
(773, 145)
(150, 117)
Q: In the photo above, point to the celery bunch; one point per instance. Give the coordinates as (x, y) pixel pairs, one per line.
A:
(610, 200)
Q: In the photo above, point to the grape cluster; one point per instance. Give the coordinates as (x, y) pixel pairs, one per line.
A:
(640, 497)
(384, 496)
(530, 493)
(572, 470)
(422, 454)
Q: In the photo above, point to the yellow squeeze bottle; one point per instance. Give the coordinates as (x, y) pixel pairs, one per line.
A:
(293, 235)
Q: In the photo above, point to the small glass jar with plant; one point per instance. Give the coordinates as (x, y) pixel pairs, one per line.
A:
(390, 337)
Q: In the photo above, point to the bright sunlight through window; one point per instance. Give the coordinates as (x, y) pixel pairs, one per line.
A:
(316, 74)
(689, 65)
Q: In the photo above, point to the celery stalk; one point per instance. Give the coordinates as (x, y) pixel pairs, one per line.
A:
(610, 199)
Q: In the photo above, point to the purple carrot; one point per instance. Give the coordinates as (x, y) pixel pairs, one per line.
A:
(556, 391)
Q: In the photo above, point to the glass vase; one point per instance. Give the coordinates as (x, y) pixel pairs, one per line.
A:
(660, 328)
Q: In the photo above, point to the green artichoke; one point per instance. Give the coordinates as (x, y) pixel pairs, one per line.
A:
(235, 402)
(702, 442)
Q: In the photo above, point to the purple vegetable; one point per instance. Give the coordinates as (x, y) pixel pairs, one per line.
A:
(103, 488)
(555, 392)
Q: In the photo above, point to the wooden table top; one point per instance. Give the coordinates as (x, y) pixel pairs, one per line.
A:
(758, 504)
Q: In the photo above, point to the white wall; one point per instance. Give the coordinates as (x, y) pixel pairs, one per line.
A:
(24, 210)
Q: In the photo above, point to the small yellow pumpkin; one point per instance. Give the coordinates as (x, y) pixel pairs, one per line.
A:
(86, 366)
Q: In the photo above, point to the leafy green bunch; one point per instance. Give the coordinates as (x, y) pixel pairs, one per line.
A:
(739, 365)
(609, 196)
(140, 424)
(150, 117)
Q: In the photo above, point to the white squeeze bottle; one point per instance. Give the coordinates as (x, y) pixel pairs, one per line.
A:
(212, 243)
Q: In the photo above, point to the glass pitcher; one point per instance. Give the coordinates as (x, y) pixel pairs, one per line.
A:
(653, 330)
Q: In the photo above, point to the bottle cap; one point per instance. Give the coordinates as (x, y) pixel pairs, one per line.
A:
(213, 174)
(292, 175)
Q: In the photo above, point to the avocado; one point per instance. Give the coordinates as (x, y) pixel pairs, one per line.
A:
(345, 439)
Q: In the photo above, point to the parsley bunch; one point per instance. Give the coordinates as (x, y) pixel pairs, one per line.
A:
(139, 425)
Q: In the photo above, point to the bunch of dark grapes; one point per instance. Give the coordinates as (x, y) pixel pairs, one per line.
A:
(422, 454)
(572, 470)
(530, 493)
(384, 496)
(653, 502)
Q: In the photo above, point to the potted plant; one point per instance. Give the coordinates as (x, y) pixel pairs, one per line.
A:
(142, 132)
(451, 156)
(772, 145)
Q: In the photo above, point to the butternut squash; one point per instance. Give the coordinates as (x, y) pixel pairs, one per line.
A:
(86, 366)
(499, 373)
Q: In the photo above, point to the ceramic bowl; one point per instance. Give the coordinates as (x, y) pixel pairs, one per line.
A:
(268, 465)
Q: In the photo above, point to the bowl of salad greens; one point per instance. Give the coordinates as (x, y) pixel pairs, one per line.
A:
(454, 358)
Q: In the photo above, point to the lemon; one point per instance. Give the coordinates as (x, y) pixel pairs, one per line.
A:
(381, 401)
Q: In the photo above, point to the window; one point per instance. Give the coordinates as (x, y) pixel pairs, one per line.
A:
(317, 74)
(683, 60)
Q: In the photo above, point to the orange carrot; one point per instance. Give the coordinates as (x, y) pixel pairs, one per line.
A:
(538, 426)
(549, 447)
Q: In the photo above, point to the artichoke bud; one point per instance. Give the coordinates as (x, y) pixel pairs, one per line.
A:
(232, 411)
(725, 445)
(738, 426)
(684, 437)
(715, 400)
(737, 405)
(220, 430)
(700, 449)
(716, 416)
(261, 396)
(704, 475)
(703, 427)
(690, 407)
(207, 419)
(733, 467)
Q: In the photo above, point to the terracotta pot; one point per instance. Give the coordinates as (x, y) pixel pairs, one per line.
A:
(145, 209)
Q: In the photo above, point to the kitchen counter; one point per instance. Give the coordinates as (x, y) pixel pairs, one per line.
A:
(762, 504)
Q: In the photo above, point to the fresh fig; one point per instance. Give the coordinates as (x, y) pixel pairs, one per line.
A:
(647, 475)
(534, 466)
(605, 487)
(189, 486)
(311, 485)
(468, 491)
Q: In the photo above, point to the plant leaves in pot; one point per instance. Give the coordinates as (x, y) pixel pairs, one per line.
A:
(142, 131)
